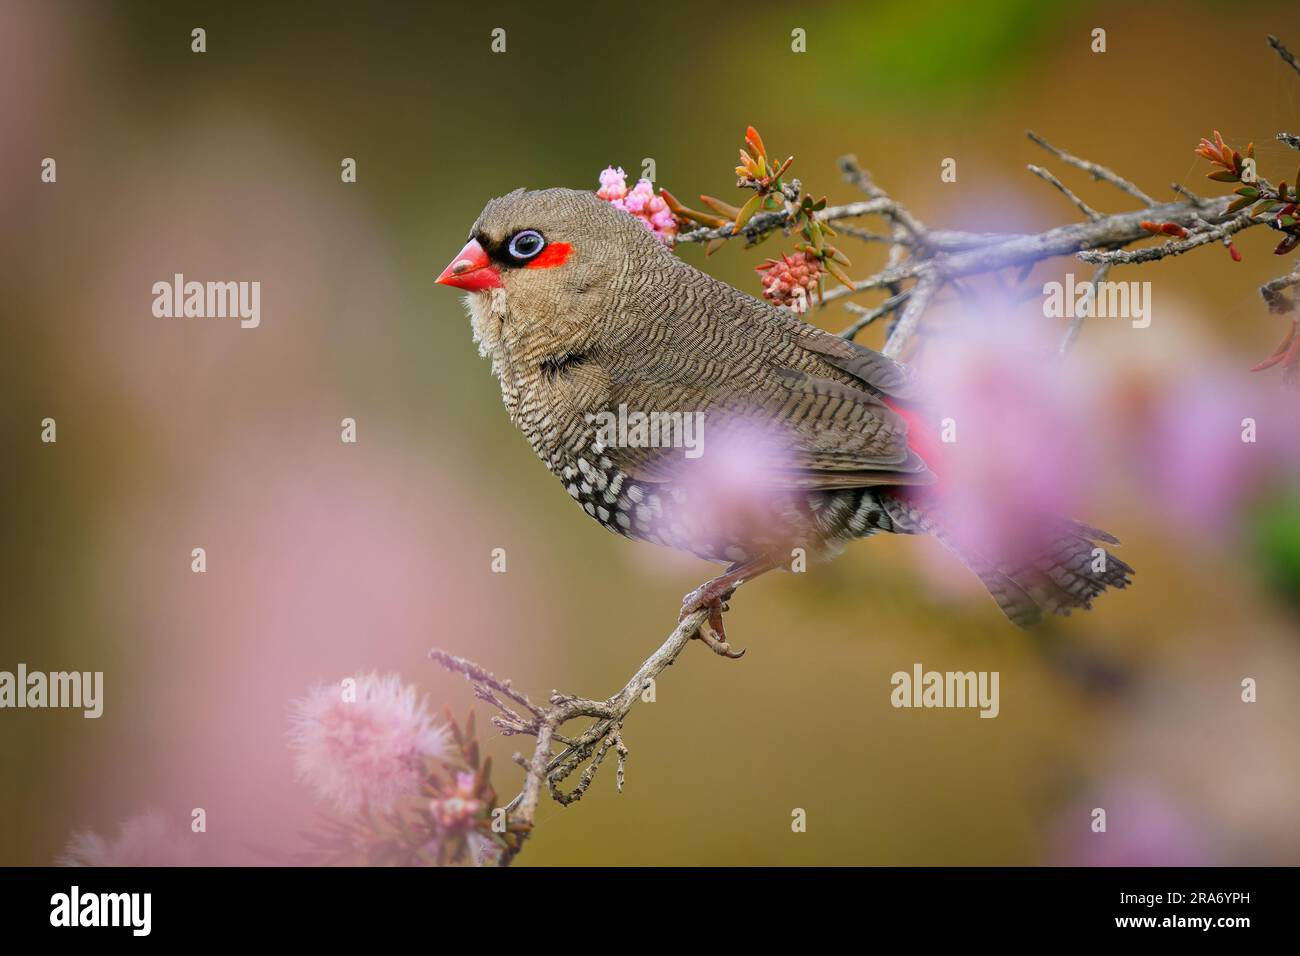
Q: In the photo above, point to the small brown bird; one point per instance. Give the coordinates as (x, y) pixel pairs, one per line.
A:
(595, 328)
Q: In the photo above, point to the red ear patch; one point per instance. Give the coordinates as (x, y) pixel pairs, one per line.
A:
(553, 255)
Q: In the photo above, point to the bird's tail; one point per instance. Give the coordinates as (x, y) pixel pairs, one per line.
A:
(1065, 568)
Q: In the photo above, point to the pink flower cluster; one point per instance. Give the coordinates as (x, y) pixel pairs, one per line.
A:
(364, 744)
(791, 280)
(460, 810)
(640, 201)
(147, 839)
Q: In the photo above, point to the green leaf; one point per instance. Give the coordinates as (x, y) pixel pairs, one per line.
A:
(747, 212)
(838, 272)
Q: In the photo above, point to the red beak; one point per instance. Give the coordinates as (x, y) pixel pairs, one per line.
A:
(471, 270)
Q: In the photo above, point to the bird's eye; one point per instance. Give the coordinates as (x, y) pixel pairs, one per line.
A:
(526, 244)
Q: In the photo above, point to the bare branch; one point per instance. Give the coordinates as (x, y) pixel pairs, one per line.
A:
(1109, 232)
(1076, 324)
(871, 315)
(904, 222)
(594, 743)
(765, 222)
(1273, 290)
(1287, 56)
(888, 279)
(482, 677)
(1084, 208)
(1097, 171)
(1177, 248)
(926, 286)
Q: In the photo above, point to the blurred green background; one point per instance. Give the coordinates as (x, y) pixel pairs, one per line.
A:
(325, 558)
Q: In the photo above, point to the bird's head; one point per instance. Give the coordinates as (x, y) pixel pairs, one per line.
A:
(542, 269)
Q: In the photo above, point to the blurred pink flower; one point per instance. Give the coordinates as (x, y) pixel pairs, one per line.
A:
(1144, 827)
(365, 748)
(459, 810)
(146, 839)
(482, 850)
(733, 489)
(1010, 440)
(641, 202)
(1192, 445)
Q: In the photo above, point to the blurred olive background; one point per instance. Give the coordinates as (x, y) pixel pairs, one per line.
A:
(325, 559)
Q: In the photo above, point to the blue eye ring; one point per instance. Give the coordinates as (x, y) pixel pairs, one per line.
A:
(526, 244)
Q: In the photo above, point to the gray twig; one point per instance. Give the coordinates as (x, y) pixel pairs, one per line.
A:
(766, 221)
(1084, 208)
(594, 743)
(1176, 248)
(927, 284)
(1287, 56)
(1097, 171)
(1273, 292)
(869, 316)
(1076, 324)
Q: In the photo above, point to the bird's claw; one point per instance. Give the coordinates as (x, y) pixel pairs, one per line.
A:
(712, 634)
(711, 630)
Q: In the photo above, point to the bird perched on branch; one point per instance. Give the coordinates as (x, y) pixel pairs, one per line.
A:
(812, 440)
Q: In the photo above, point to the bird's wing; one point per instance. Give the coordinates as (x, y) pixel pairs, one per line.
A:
(868, 366)
(822, 404)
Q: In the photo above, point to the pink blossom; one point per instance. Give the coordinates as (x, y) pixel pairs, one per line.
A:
(1146, 826)
(364, 745)
(641, 201)
(613, 184)
(790, 280)
(146, 839)
(461, 809)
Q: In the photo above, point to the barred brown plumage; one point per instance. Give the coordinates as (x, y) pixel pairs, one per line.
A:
(808, 433)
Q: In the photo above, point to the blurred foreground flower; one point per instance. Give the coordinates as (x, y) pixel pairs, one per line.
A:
(409, 792)
(1147, 827)
(364, 743)
(147, 839)
(1210, 445)
(1009, 439)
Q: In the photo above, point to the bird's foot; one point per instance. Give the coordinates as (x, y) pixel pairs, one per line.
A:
(712, 596)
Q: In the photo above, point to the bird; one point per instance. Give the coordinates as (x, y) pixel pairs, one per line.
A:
(814, 440)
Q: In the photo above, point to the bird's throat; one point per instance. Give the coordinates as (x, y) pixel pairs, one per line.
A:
(488, 312)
